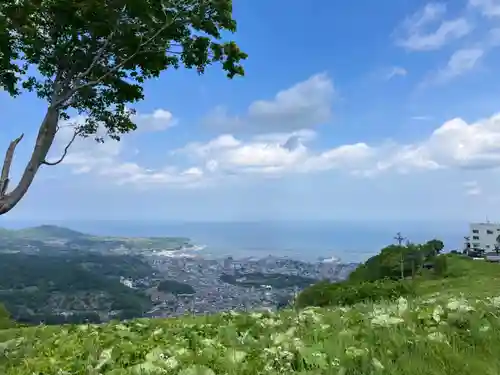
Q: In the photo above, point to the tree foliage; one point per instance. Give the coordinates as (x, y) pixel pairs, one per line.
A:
(380, 276)
(92, 57)
(34, 286)
(394, 260)
(5, 318)
(175, 287)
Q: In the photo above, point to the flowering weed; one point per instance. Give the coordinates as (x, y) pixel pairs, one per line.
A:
(438, 335)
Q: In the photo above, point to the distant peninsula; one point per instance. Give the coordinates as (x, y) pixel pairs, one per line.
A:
(52, 238)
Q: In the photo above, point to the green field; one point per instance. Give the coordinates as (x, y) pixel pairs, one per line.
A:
(451, 327)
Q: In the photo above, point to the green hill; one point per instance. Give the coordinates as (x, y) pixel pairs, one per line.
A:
(41, 233)
(47, 232)
(50, 238)
(450, 326)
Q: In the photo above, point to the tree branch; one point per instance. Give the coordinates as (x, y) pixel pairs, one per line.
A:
(9, 155)
(44, 140)
(65, 152)
(58, 101)
(98, 55)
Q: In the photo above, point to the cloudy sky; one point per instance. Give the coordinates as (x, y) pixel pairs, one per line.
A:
(361, 110)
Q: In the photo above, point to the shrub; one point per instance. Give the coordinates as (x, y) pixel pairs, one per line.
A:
(5, 319)
(441, 266)
(395, 261)
(349, 293)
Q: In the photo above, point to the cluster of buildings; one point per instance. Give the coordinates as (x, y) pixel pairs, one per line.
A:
(212, 295)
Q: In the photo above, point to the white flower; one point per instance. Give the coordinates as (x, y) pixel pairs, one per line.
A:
(437, 336)
(104, 358)
(384, 320)
(495, 301)
(279, 338)
(171, 363)
(436, 314)
(402, 305)
(256, 315)
(335, 362)
(354, 352)
(459, 305)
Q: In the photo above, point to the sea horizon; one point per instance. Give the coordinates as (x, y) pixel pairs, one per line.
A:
(302, 240)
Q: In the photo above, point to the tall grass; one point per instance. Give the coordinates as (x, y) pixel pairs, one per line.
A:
(455, 331)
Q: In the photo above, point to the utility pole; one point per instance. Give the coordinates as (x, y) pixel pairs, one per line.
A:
(399, 238)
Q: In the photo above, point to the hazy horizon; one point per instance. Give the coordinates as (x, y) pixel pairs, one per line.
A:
(348, 240)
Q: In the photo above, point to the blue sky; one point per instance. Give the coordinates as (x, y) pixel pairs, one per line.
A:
(349, 110)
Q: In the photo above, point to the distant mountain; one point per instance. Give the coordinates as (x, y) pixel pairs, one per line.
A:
(41, 233)
(49, 238)
(48, 232)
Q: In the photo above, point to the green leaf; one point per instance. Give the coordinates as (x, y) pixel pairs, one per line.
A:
(94, 56)
(197, 370)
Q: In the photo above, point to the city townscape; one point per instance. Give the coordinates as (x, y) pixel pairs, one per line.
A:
(269, 283)
(57, 275)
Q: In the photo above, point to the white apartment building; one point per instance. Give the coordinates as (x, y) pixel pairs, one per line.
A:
(483, 236)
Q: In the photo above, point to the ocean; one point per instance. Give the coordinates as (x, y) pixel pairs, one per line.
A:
(308, 241)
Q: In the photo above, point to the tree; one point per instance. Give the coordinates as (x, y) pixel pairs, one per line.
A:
(5, 318)
(435, 245)
(92, 58)
(396, 262)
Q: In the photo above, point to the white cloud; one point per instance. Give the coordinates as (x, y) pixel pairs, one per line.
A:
(108, 159)
(159, 120)
(460, 63)
(415, 34)
(275, 154)
(456, 144)
(304, 105)
(396, 71)
(422, 118)
(489, 8)
(228, 154)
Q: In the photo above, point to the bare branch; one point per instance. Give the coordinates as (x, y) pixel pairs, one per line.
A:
(57, 102)
(65, 152)
(9, 155)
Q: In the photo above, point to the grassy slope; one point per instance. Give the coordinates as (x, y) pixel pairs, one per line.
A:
(433, 334)
(474, 278)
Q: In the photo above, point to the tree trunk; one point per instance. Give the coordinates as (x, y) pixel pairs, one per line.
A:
(44, 140)
(402, 266)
